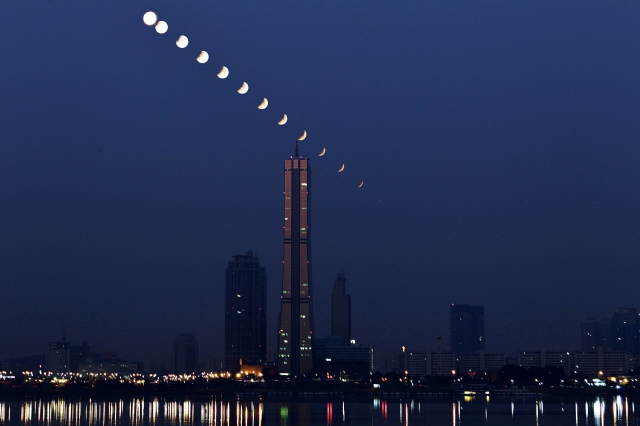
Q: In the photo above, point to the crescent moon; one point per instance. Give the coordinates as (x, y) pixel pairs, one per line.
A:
(283, 120)
(244, 88)
(341, 168)
(149, 18)
(324, 151)
(162, 27)
(182, 42)
(264, 104)
(224, 72)
(303, 137)
(361, 183)
(203, 57)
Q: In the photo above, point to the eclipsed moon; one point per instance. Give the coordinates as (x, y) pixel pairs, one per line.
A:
(149, 18)
(341, 168)
(283, 120)
(361, 183)
(323, 152)
(182, 42)
(162, 27)
(244, 88)
(203, 57)
(224, 72)
(303, 137)
(264, 104)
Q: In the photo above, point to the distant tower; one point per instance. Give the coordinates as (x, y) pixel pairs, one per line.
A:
(185, 354)
(295, 326)
(467, 329)
(341, 311)
(245, 322)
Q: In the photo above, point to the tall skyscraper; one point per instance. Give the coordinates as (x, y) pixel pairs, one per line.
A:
(467, 329)
(295, 326)
(185, 354)
(341, 310)
(245, 322)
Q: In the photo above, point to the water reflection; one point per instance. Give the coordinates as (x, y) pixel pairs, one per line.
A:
(256, 411)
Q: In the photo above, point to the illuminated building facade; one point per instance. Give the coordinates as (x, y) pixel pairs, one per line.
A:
(295, 326)
(341, 311)
(245, 322)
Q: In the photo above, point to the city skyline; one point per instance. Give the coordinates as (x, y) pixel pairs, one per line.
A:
(498, 144)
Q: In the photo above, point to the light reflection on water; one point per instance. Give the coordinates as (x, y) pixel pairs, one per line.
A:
(217, 411)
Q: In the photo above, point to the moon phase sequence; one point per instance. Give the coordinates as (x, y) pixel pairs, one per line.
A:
(151, 19)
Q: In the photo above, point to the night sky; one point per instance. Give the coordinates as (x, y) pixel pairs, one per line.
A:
(498, 142)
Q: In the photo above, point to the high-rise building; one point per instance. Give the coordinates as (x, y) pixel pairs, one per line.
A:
(467, 329)
(624, 331)
(341, 311)
(245, 322)
(78, 355)
(185, 354)
(59, 357)
(594, 334)
(295, 326)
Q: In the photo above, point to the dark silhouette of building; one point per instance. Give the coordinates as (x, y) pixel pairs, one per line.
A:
(245, 322)
(341, 310)
(185, 354)
(295, 325)
(59, 357)
(467, 329)
(79, 355)
(624, 331)
(595, 334)
(332, 358)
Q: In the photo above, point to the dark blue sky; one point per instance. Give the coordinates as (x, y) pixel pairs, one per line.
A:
(499, 143)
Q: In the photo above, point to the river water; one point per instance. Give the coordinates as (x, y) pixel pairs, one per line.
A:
(257, 411)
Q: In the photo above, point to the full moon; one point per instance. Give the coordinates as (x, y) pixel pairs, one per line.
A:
(203, 57)
(182, 42)
(162, 27)
(150, 18)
